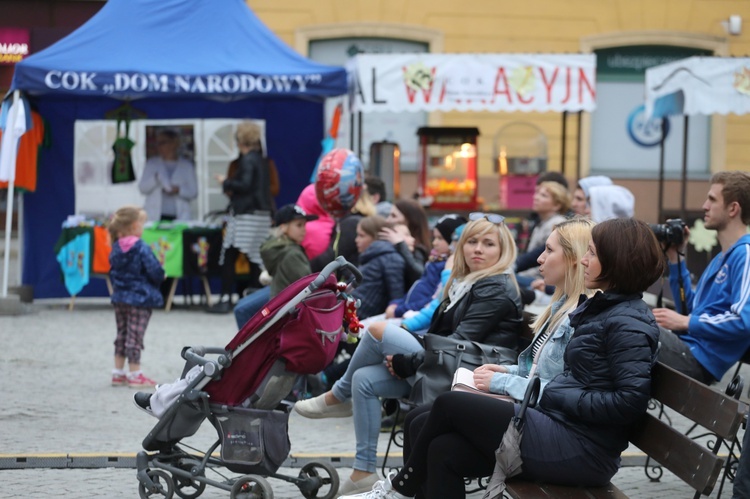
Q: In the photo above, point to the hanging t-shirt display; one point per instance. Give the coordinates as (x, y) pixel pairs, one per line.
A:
(122, 168)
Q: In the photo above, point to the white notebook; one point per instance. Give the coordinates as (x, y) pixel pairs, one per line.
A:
(463, 381)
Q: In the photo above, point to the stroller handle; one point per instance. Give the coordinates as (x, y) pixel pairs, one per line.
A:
(196, 354)
(338, 263)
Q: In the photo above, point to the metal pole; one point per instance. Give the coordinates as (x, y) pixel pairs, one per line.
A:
(578, 147)
(8, 230)
(19, 222)
(660, 211)
(359, 135)
(9, 219)
(351, 131)
(564, 137)
(683, 195)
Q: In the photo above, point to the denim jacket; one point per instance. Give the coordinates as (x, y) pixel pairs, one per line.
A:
(549, 364)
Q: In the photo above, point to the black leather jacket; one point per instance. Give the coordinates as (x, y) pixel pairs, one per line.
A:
(606, 384)
(491, 313)
(250, 186)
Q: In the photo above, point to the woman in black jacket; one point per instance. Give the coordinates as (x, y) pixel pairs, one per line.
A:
(249, 212)
(580, 427)
(481, 303)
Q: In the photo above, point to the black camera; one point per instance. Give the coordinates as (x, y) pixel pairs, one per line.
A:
(672, 232)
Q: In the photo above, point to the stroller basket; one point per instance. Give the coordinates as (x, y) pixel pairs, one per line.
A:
(253, 441)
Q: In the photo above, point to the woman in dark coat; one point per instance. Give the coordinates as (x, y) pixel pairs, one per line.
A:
(580, 427)
(481, 303)
(249, 217)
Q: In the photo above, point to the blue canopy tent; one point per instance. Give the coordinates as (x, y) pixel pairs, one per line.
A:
(175, 59)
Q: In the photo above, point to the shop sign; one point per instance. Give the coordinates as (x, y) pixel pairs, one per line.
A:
(473, 82)
(14, 45)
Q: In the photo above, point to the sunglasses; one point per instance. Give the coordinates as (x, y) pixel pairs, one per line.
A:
(491, 217)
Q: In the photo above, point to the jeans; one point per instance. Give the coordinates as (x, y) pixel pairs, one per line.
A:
(249, 305)
(366, 379)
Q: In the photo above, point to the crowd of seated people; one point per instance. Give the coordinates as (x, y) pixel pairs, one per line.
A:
(473, 284)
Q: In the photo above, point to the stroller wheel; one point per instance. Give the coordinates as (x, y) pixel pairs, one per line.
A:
(163, 485)
(251, 487)
(187, 487)
(317, 477)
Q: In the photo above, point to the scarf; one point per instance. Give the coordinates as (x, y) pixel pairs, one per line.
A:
(459, 288)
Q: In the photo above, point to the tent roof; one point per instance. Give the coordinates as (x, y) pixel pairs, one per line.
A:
(699, 85)
(173, 48)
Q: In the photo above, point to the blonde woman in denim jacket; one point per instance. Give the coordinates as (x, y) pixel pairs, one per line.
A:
(560, 266)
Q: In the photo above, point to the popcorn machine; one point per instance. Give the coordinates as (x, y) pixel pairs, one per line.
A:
(448, 167)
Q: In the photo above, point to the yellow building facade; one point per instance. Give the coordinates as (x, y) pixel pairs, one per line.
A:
(617, 30)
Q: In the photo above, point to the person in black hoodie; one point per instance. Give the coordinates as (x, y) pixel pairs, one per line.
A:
(577, 432)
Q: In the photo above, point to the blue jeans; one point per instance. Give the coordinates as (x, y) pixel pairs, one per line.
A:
(249, 305)
(366, 379)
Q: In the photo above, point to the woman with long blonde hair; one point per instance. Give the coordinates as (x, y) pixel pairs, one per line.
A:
(560, 267)
(481, 303)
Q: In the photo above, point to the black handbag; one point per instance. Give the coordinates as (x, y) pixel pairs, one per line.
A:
(443, 355)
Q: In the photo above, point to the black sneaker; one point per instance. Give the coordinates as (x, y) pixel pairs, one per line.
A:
(142, 401)
(223, 307)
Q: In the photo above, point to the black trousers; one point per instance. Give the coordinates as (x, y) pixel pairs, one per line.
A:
(453, 442)
(458, 437)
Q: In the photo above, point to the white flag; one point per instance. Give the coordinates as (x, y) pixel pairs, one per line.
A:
(15, 126)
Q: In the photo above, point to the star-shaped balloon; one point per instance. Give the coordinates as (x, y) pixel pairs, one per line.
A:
(701, 238)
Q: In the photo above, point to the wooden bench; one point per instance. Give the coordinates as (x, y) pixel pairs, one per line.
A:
(692, 462)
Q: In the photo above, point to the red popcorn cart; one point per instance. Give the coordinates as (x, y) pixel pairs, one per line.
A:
(448, 167)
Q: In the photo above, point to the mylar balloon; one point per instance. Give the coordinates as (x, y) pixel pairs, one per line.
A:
(338, 182)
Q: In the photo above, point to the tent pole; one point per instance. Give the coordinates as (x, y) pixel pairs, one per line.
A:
(578, 146)
(8, 230)
(19, 230)
(660, 211)
(683, 194)
(564, 133)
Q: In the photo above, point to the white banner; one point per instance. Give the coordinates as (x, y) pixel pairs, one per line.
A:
(699, 85)
(473, 82)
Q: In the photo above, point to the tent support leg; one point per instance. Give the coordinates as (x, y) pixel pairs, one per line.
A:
(8, 230)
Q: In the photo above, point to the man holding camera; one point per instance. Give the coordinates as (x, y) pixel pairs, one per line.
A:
(716, 333)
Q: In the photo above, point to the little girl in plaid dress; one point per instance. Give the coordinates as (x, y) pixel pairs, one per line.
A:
(135, 274)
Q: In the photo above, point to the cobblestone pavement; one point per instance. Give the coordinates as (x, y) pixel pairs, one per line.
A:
(57, 400)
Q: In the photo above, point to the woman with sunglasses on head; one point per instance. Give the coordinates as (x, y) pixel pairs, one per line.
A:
(579, 428)
(480, 303)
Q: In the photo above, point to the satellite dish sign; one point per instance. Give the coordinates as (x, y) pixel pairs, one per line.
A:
(338, 182)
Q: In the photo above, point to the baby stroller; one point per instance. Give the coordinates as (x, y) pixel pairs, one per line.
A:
(241, 388)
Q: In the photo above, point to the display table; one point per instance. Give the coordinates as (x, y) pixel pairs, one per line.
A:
(184, 251)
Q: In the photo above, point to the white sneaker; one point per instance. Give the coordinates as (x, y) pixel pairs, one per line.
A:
(349, 486)
(381, 490)
(316, 408)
